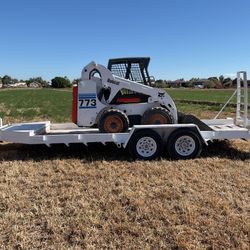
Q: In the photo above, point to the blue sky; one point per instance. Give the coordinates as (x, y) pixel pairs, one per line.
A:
(184, 38)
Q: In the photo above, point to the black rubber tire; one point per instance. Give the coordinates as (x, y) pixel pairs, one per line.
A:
(191, 119)
(115, 113)
(156, 111)
(186, 136)
(147, 136)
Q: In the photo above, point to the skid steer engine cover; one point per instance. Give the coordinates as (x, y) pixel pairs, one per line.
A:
(88, 103)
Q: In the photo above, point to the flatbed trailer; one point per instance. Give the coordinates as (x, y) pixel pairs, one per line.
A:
(183, 141)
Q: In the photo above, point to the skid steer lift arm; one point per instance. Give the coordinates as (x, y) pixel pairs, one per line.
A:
(116, 84)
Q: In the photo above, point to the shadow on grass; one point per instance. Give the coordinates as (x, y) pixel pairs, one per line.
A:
(93, 152)
(96, 152)
(224, 149)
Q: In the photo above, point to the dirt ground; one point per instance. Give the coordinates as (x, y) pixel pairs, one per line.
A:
(97, 197)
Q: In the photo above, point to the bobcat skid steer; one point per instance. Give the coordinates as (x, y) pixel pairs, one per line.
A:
(120, 96)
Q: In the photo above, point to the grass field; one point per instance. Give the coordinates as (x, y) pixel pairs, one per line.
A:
(213, 95)
(97, 197)
(55, 105)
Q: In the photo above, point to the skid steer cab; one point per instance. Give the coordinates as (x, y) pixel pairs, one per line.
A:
(113, 103)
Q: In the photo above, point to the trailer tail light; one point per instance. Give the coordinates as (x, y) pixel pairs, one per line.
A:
(74, 104)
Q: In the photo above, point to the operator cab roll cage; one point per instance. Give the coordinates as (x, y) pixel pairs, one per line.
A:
(132, 68)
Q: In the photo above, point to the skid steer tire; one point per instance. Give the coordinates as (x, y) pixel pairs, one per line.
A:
(191, 119)
(113, 121)
(145, 144)
(156, 115)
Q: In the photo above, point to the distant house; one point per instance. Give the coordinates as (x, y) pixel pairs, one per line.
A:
(17, 85)
(176, 83)
(1, 85)
(200, 84)
(35, 85)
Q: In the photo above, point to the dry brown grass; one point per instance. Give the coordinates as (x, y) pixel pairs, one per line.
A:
(97, 197)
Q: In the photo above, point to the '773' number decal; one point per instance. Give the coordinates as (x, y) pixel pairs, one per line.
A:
(87, 103)
(87, 100)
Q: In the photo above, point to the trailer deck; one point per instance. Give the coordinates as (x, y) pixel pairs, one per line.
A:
(66, 133)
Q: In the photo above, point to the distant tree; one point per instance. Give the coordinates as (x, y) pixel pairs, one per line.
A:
(185, 84)
(76, 81)
(209, 84)
(216, 82)
(14, 80)
(60, 82)
(194, 79)
(213, 78)
(39, 80)
(6, 80)
(160, 83)
(220, 81)
(234, 82)
(227, 82)
(167, 84)
(188, 84)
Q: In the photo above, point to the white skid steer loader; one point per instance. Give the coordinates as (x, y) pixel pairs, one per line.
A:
(114, 103)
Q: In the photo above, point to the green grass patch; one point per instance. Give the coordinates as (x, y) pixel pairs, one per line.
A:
(204, 111)
(212, 95)
(40, 104)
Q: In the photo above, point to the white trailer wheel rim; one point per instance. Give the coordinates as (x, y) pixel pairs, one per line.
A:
(185, 145)
(146, 146)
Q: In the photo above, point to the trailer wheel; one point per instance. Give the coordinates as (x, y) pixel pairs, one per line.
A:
(184, 144)
(145, 144)
(113, 121)
(156, 115)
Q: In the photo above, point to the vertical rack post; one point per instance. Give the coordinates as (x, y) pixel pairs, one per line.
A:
(242, 120)
(245, 116)
(238, 115)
